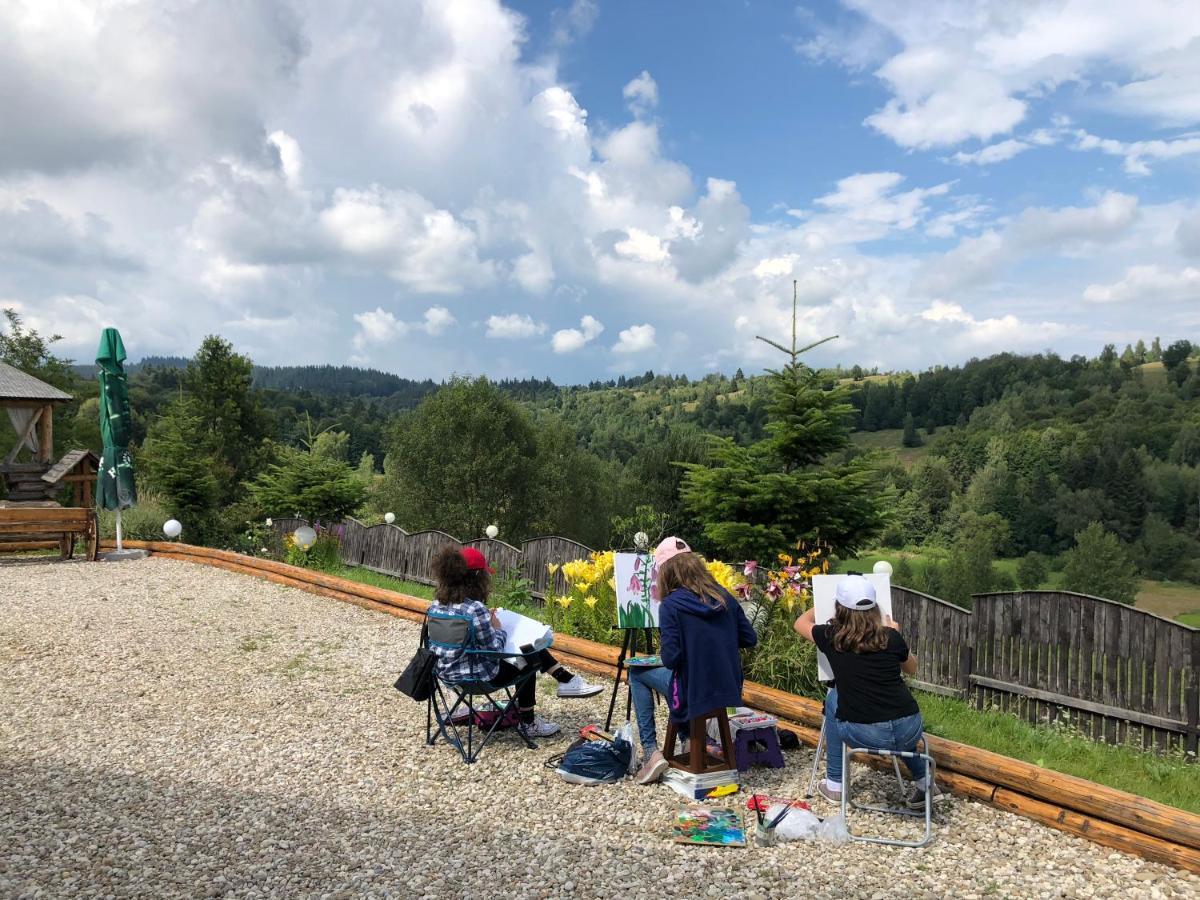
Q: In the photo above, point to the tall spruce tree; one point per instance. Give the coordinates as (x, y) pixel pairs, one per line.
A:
(756, 501)
(175, 465)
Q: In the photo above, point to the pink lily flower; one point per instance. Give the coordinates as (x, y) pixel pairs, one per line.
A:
(774, 590)
(749, 567)
(635, 584)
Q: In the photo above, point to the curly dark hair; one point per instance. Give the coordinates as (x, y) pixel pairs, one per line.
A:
(455, 582)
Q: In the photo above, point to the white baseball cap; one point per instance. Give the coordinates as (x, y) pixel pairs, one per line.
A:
(856, 592)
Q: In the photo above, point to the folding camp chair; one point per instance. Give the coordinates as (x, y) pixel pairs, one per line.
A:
(457, 706)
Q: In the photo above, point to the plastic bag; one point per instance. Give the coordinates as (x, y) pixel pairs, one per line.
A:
(595, 762)
(834, 830)
(625, 733)
(798, 825)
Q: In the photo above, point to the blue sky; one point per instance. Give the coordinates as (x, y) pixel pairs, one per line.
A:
(589, 188)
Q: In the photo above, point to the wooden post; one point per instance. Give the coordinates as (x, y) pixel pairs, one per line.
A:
(46, 435)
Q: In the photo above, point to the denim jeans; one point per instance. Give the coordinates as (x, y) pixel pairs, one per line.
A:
(896, 734)
(643, 680)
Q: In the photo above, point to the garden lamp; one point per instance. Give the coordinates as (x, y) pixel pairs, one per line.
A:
(172, 529)
(304, 537)
(389, 518)
(883, 567)
(641, 540)
(491, 531)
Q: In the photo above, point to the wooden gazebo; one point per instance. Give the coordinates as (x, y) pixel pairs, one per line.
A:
(30, 404)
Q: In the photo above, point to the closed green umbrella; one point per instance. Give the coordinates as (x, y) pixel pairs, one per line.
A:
(115, 487)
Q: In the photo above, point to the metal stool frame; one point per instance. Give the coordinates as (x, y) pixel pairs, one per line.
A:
(896, 755)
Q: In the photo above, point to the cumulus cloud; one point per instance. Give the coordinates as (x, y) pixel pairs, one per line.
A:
(972, 71)
(568, 340)
(635, 339)
(514, 325)
(641, 94)
(377, 326)
(1144, 284)
(1137, 153)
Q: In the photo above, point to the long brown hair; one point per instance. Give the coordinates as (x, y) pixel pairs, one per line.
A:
(858, 630)
(455, 582)
(687, 570)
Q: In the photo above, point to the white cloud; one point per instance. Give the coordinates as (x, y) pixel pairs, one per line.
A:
(642, 246)
(958, 71)
(1187, 234)
(378, 326)
(438, 320)
(1001, 332)
(573, 22)
(568, 340)
(867, 206)
(1136, 153)
(635, 339)
(641, 94)
(993, 153)
(1035, 230)
(514, 325)
(1145, 284)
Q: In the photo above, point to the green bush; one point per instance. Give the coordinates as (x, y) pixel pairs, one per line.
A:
(143, 522)
(324, 555)
(1032, 570)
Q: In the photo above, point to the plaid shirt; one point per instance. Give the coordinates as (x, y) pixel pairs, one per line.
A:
(454, 663)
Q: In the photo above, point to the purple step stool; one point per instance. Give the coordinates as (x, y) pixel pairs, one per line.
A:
(770, 755)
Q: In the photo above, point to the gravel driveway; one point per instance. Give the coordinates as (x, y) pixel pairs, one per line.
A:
(176, 730)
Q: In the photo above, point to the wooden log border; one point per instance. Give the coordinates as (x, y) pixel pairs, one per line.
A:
(1101, 814)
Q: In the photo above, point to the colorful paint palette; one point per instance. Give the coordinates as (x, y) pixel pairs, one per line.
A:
(714, 826)
(644, 661)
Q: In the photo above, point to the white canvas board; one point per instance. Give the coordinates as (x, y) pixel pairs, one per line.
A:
(637, 597)
(522, 630)
(824, 589)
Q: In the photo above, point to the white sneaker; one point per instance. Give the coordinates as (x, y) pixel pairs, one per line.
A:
(539, 727)
(577, 687)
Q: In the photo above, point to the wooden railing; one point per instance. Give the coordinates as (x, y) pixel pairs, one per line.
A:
(1117, 674)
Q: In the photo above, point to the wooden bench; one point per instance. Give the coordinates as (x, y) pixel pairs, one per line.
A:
(30, 527)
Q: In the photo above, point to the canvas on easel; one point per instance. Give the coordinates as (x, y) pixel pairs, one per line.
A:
(824, 588)
(637, 601)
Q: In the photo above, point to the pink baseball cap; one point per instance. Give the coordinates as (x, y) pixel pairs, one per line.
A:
(669, 547)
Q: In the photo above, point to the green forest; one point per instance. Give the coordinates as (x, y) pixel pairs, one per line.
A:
(1007, 471)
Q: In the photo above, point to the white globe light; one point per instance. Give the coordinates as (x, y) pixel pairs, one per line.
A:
(883, 567)
(389, 518)
(172, 528)
(641, 540)
(491, 531)
(304, 537)
(270, 524)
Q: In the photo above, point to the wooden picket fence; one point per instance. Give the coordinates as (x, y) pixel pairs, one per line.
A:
(1117, 674)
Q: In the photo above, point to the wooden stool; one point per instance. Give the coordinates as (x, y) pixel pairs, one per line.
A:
(698, 761)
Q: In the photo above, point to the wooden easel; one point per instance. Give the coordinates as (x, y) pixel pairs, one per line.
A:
(629, 647)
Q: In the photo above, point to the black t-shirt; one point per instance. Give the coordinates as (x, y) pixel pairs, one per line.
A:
(869, 685)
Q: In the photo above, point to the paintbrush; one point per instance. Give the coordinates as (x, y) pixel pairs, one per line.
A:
(779, 818)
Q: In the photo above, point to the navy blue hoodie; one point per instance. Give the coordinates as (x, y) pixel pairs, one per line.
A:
(700, 641)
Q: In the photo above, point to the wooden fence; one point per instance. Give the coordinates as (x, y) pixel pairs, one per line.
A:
(1115, 673)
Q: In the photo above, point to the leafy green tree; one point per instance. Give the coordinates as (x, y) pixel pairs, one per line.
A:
(1099, 565)
(332, 445)
(1032, 569)
(1139, 351)
(27, 350)
(175, 466)
(1174, 360)
(1162, 551)
(235, 424)
(464, 459)
(911, 438)
(315, 487)
(756, 501)
(1156, 352)
(970, 568)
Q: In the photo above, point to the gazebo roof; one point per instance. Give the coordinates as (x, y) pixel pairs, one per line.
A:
(17, 385)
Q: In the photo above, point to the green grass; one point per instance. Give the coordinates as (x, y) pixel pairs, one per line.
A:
(1192, 619)
(1168, 779)
(891, 440)
(387, 582)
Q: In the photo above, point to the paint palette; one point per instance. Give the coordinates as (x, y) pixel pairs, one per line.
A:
(644, 661)
(714, 826)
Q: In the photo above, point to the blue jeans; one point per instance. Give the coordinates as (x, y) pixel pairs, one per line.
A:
(643, 680)
(896, 734)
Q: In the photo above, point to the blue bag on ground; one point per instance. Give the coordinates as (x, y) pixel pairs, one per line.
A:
(596, 762)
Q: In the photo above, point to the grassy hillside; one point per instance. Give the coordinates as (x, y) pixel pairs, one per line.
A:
(891, 440)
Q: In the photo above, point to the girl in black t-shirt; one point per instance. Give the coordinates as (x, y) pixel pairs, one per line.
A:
(869, 705)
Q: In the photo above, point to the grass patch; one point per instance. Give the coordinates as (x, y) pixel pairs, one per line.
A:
(1168, 779)
(891, 440)
(1173, 599)
(387, 582)
(1192, 619)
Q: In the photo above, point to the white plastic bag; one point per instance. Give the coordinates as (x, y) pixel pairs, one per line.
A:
(625, 733)
(834, 830)
(798, 825)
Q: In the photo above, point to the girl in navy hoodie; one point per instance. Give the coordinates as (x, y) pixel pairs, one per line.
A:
(701, 627)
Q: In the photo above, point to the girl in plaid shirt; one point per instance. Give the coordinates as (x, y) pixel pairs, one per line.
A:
(463, 586)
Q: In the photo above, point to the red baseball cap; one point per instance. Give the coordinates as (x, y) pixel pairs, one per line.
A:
(475, 560)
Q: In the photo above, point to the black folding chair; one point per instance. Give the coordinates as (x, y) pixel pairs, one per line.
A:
(456, 706)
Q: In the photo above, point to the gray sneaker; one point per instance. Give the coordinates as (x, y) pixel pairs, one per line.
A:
(538, 728)
(916, 800)
(830, 795)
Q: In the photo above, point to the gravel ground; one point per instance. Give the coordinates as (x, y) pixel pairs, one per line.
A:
(176, 730)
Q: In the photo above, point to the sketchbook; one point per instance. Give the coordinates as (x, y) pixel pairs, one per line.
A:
(525, 635)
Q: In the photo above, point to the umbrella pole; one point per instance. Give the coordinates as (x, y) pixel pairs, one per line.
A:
(119, 544)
